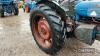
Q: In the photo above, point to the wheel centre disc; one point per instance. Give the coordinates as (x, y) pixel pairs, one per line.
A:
(43, 29)
(42, 32)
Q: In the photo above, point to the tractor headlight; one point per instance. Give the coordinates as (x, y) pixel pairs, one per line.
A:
(93, 14)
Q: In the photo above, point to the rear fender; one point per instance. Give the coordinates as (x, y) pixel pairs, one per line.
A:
(55, 7)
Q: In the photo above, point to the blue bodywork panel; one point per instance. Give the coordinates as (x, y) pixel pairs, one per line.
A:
(5, 1)
(88, 9)
(7, 5)
(31, 4)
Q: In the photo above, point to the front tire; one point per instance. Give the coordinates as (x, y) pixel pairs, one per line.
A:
(2, 13)
(16, 12)
(47, 29)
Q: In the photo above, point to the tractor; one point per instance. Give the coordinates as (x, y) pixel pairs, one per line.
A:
(88, 11)
(29, 5)
(8, 6)
(54, 20)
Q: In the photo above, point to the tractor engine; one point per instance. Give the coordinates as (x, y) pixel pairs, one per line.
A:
(53, 20)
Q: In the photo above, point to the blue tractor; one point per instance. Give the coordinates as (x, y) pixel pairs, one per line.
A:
(29, 5)
(88, 10)
(8, 6)
(53, 20)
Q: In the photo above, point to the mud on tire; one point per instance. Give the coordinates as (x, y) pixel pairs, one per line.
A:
(56, 26)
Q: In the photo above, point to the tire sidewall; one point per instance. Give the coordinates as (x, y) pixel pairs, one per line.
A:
(39, 11)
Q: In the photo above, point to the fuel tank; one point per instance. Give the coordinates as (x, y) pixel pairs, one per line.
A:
(88, 33)
(88, 8)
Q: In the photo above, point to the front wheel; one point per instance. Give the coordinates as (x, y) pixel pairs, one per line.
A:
(47, 29)
(2, 13)
(16, 12)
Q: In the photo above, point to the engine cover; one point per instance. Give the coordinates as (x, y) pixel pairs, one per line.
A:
(88, 9)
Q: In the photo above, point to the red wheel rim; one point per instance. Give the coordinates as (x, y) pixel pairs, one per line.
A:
(26, 8)
(42, 31)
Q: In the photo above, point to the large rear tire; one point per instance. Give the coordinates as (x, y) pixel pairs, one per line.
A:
(44, 20)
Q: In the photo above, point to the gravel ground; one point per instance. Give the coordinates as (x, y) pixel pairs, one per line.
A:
(16, 40)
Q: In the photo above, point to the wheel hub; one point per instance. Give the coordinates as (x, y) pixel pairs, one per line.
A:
(42, 32)
(43, 29)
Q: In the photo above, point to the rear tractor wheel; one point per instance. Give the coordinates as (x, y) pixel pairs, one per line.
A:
(47, 29)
